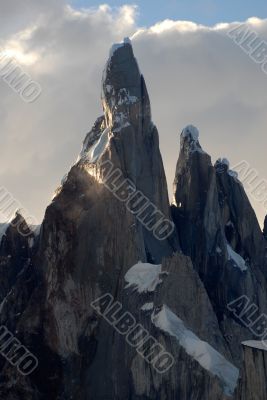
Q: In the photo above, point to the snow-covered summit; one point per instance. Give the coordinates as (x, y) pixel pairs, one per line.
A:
(189, 140)
(223, 165)
(190, 131)
(223, 161)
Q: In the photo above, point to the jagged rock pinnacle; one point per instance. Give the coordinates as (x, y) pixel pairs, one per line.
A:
(124, 95)
(189, 141)
(101, 223)
(191, 131)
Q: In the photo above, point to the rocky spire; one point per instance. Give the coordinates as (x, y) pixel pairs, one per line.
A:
(94, 242)
(218, 229)
(127, 137)
(125, 134)
(213, 200)
(194, 194)
(124, 95)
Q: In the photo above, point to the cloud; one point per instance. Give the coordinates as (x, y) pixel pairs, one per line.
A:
(195, 74)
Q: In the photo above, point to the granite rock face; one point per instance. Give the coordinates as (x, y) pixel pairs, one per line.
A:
(110, 231)
(219, 230)
(16, 246)
(253, 382)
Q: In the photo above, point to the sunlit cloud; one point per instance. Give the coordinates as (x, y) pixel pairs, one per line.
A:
(194, 73)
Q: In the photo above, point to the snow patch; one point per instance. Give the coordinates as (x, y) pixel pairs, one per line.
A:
(99, 147)
(191, 131)
(127, 40)
(256, 344)
(238, 261)
(144, 277)
(209, 358)
(220, 165)
(125, 97)
(147, 307)
(223, 161)
(121, 122)
(233, 174)
(189, 140)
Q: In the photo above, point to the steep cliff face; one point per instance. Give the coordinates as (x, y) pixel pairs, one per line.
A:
(196, 208)
(239, 220)
(127, 137)
(109, 234)
(16, 245)
(218, 229)
(253, 382)
(212, 210)
(91, 236)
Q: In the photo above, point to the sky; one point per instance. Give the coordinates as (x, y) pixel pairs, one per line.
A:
(194, 72)
(208, 12)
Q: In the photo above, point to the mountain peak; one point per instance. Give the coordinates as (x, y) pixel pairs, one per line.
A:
(190, 140)
(124, 95)
(190, 131)
(124, 44)
(108, 239)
